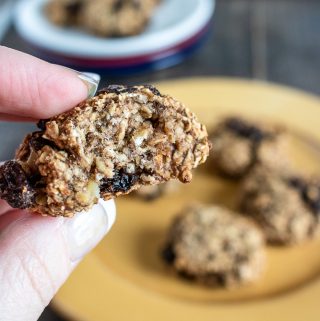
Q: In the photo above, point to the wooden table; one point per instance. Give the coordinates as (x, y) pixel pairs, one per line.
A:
(273, 40)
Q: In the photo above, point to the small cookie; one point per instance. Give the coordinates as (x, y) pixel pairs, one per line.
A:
(103, 17)
(107, 146)
(240, 144)
(215, 246)
(117, 17)
(286, 207)
(153, 192)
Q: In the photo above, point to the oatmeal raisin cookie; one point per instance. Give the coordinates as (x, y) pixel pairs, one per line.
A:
(286, 206)
(103, 17)
(215, 246)
(107, 146)
(240, 144)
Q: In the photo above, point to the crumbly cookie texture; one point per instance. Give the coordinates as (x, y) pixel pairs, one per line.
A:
(240, 144)
(153, 192)
(286, 206)
(215, 246)
(109, 145)
(103, 17)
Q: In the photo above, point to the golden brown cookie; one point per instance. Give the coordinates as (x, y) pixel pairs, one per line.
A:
(107, 146)
(117, 17)
(240, 144)
(215, 246)
(287, 207)
(108, 18)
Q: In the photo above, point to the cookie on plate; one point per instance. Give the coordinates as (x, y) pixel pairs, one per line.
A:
(107, 146)
(240, 144)
(103, 17)
(287, 207)
(215, 246)
(117, 17)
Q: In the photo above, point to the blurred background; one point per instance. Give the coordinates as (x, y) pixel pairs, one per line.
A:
(275, 40)
(270, 40)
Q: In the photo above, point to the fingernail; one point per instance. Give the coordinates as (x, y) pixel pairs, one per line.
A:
(85, 230)
(91, 80)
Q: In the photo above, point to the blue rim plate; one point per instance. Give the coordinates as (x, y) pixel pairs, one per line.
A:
(174, 22)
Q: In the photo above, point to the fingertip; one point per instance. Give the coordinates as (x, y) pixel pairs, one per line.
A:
(60, 90)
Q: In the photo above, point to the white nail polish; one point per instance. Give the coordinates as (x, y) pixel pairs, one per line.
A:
(110, 208)
(91, 80)
(84, 231)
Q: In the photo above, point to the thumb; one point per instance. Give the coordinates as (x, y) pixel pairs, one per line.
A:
(38, 253)
(33, 88)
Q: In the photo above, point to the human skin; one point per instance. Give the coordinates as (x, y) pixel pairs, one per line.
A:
(38, 253)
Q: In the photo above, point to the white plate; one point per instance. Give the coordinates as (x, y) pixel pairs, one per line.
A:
(174, 21)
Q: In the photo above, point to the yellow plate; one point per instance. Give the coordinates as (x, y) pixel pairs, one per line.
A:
(124, 277)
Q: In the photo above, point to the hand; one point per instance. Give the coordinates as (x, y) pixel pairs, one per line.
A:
(38, 253)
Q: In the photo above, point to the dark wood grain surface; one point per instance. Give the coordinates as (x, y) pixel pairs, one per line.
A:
(273, 40)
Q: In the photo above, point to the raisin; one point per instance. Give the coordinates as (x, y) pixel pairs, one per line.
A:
(116, 89)
(168, 254)
(120, 182)
(153, 89)
(245, 130)
(155, 122)
(215, 278)
(36, 181)
(186, 276)
(15, 187)
(37, 142)
(117, 6)
(73, 8)
(297, 183)
(309, 192)
(120, 89)
(42, 124)
(311, 195)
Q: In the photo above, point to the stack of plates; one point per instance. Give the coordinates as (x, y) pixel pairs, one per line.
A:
(177, 28)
